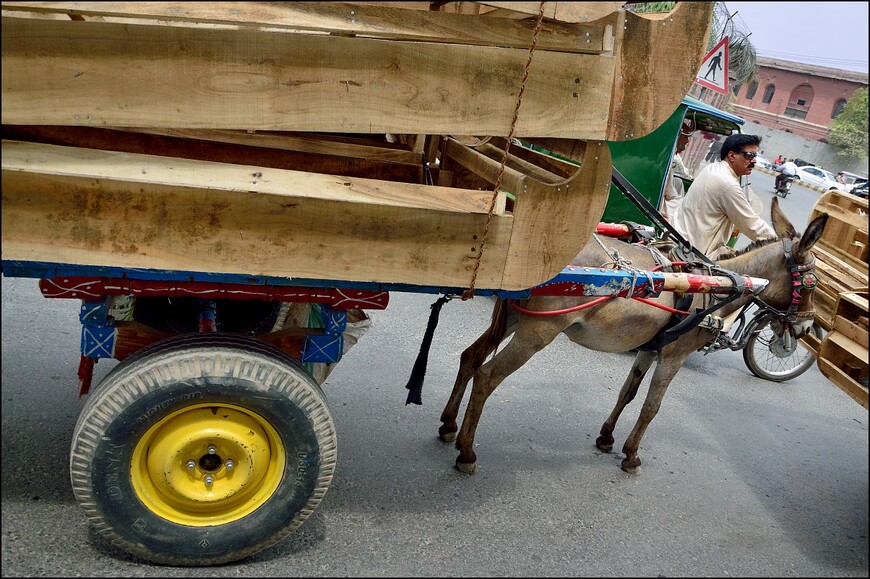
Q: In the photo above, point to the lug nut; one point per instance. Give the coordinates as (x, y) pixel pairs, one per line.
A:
(208, 480)
(230, 464)
(211, 449)
(191, 464)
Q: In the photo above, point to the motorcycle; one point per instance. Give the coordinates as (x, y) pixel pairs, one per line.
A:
(783, 185)
(769, 354)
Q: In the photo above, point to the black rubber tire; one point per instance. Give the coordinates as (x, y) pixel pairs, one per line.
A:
(149, 504)
(757, 355)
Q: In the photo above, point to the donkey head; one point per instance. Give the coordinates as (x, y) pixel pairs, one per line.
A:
(801, 266)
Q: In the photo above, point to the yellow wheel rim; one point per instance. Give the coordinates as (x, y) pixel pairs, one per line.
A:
(208, 464)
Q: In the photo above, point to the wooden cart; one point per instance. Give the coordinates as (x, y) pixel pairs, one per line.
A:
(228, 186)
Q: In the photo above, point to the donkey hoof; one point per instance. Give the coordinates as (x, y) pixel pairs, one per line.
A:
(631, 465)
(466, 467)
(447, 436)
(447, 432)
(604, 443)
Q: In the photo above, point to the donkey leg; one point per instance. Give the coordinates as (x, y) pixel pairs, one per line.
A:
(665, 371)
(641, 365)
(531, 337)
(469, 362)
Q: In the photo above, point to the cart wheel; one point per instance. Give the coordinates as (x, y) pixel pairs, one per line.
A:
(202, 449)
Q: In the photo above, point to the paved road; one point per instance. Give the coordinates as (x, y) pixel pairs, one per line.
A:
(740, 477)
(797, 206)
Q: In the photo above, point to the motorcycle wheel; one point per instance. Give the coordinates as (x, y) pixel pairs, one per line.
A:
(770, 358)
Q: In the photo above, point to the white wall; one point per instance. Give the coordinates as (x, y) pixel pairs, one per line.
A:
(776, 142)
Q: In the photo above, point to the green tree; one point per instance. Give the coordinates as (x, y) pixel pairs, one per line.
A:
(849, 129)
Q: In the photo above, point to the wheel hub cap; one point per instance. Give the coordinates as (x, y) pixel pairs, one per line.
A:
(207, 464)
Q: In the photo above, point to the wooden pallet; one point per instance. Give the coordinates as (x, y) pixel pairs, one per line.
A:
(840, 299)
(325, 140)
(841, 252)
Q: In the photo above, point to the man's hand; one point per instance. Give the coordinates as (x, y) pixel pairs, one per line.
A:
(726, 252)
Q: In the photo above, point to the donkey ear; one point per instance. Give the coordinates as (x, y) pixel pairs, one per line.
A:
(811, 236)
(783, 227)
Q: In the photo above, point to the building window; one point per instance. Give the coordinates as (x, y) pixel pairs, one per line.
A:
(799, 102)
(768, 94)
(736, 89)
(838, 108)
(751, 90)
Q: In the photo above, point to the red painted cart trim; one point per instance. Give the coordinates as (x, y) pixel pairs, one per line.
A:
(93, 288)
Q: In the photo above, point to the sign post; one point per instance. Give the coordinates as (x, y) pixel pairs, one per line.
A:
(714, 68)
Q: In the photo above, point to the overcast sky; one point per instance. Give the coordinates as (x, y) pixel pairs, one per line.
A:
(832, 34)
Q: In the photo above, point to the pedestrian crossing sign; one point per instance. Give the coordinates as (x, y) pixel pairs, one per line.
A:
(714, 68)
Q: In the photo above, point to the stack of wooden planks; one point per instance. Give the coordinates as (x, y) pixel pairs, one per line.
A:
(359, 142)
(840, 299)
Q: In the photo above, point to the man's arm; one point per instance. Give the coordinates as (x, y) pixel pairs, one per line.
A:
(743, 216)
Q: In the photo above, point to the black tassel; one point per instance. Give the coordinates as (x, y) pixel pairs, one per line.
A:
(415, 382)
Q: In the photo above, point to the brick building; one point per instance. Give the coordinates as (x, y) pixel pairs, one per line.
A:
(791, 105)
(795, 97)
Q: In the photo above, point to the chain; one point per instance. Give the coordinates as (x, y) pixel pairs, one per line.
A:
(469, 293)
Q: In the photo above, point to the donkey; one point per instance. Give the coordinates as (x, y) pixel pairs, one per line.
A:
(622, 325)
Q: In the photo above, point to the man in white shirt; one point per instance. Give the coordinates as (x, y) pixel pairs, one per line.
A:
(715, 203)
(787, 169)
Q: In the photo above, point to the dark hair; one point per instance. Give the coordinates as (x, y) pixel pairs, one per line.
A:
(736, 143)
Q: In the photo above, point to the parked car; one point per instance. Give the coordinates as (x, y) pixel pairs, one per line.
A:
(821, 177)
(852, 179)
(763, 163)
(860, 190)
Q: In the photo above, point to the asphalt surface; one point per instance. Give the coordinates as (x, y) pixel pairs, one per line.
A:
(740, 477)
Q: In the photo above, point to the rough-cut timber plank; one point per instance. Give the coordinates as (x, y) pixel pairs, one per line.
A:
(153, 75)
(650, 72)
(853, 331)
(348, 18)
(105, 74)
(81, 206)
(343, 146)
(553, 221)
(564, 11)
(230, 147)
(223, 149)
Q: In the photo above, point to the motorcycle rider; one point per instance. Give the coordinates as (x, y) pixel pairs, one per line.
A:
(786, 170)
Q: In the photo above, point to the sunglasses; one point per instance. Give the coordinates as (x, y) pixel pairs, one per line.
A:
(748, 154)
